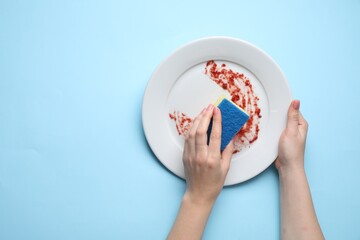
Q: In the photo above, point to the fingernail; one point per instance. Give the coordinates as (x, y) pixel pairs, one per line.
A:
(203, 111)
(210, 107)
(296, 104)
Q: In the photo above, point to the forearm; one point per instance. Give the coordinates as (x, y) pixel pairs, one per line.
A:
(298, 218)
(191, 219)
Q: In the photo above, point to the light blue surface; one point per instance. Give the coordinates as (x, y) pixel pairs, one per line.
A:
(74, 163)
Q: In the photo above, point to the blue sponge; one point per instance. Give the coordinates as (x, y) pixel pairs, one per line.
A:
(233, 118)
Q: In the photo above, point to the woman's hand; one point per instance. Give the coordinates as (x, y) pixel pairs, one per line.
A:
(205, 171)
(205, 166)
(298, 217)
(292, 141)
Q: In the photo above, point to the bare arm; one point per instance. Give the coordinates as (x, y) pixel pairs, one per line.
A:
(191, 219)
(205, 171)
(298, 218)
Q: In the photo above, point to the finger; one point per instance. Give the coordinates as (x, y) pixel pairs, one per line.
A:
(190, 138)
(227, 154)
(194, 125)
(186, 151)
(215, 136)
(293, 117)
(201, 132)
(303, 125)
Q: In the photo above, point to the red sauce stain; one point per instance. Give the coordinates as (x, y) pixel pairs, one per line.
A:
(183, 122)
(242, 94)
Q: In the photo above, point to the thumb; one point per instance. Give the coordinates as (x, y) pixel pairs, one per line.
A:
(227, 154)
(293, 117)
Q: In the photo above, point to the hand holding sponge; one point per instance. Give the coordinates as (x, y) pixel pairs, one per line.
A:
(233, 118)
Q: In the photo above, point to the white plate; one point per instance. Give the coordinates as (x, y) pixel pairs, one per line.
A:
(179, 83)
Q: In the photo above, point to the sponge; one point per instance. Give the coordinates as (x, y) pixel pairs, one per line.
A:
(233, 118)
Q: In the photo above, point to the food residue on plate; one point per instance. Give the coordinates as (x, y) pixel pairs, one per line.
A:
(242, 94)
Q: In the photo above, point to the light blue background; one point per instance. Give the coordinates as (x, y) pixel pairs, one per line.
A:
(74, 163)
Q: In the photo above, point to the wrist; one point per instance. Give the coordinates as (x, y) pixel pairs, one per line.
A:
(291, 171)
(198, 201)
(284, 165)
